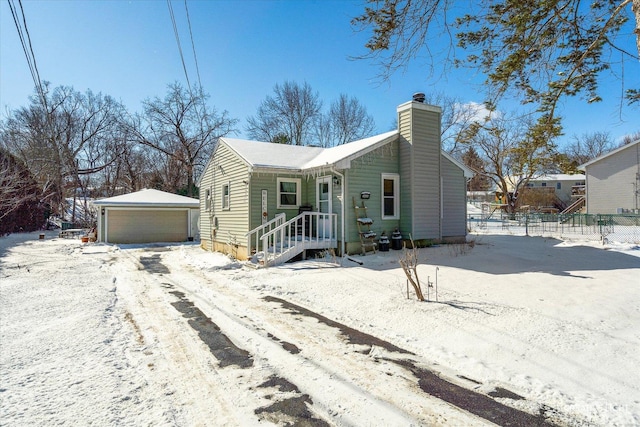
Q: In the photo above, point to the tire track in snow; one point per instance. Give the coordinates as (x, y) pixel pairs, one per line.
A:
(468, 400)
(479, 404)
(344, 404)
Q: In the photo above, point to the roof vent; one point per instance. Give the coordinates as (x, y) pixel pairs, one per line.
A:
(418, 97)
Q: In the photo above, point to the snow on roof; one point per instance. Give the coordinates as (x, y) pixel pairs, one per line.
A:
(268, 155)
(333, 155)
(149, 197)
(559, 177)
(282, 156)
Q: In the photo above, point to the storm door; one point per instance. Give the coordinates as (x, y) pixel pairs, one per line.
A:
(323, 203)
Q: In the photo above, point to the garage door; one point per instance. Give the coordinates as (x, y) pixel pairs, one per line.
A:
(146, 226)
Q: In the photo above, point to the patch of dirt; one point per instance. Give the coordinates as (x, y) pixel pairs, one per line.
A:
(153, 265)
(291, 348)
(219, 344)
(477, 403)
(353, 335)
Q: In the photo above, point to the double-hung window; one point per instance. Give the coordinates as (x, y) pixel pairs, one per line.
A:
(288, 193)
(390, 196)
(226, 194)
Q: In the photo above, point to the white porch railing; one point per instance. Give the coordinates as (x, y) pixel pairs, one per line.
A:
(309, 230)
(254, 236)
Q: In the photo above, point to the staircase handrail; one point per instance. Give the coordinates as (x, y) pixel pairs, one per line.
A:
(286, 235)
(573, 207)
(260, 230)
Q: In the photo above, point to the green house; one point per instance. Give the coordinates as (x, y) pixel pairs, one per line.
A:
(270, 202)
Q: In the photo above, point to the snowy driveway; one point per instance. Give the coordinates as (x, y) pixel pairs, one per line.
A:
(177, 336)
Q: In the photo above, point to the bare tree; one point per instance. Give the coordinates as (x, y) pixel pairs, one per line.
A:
(287, 116)
(349, 120)
(323, 131)
(511, 156)
(184, 130)
(472, 160)
(588, 146)
(132, 166)
(628, 139)
(457, 117)
(64, 136)
(21, 207)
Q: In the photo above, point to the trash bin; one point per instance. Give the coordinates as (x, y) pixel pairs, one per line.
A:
(396, 240)
(383, 243)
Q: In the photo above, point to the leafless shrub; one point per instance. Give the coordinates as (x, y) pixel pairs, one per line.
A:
(461, 248)
(409, 264)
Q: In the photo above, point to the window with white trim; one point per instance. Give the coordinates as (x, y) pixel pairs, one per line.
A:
(390, 196)
(226, 201)
(289, 192)
(207, 199)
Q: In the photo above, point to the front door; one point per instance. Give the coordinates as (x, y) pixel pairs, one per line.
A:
(323, 202)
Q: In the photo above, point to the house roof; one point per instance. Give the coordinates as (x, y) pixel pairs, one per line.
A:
(347, 152)
(149, 198)
(265, 155)
(558, 177)
(610, 153)
(258, 154)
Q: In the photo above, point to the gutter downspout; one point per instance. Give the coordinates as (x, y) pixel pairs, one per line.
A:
(342, 184)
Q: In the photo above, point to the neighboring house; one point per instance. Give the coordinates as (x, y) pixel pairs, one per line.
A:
(613, 181)
(549, 191)
(147, 216)
(566, 187)
(254, 195)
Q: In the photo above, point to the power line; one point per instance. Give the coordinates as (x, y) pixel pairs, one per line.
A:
(193, 46)
(27, 48)
(175, 32)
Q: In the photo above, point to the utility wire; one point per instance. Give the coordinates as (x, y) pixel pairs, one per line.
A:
(193, 46)
(175, 32)
(25, 39)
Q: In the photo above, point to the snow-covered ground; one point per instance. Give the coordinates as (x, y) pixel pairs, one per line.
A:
(107, 335)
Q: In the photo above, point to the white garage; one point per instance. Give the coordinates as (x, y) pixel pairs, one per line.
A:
(148, 216)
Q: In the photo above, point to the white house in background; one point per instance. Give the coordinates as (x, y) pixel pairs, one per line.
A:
(566, 187)
(147, 216)
(613, 181)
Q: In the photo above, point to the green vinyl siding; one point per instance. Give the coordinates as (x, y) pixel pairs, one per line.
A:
(419, 150)
(453, 200)
(366, 175)
(269, 181)
(226, 168)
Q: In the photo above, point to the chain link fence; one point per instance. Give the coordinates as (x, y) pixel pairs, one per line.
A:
(623, 228)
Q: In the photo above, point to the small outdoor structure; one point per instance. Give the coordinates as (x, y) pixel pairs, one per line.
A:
(276, 201)
(147, 216)
(613, 181)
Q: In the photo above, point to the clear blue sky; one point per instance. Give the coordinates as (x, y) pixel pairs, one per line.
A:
(127, 49)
